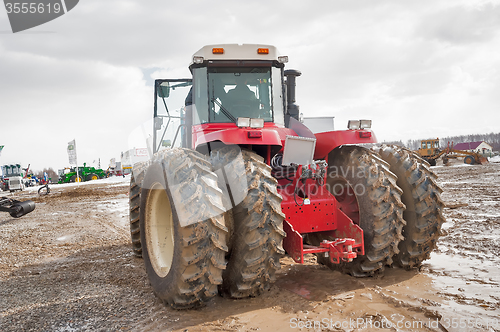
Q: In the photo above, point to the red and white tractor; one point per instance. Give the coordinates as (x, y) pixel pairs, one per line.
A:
(236, 181)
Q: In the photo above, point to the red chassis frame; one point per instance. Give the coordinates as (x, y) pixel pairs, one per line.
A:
(307, 203)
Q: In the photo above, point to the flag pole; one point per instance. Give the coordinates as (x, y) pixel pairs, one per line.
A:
(77, 173)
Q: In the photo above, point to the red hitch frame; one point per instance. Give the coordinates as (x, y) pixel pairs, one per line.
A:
(312, 208)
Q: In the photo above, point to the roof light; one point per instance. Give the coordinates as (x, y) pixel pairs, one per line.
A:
(263, 51)
(353, 124)
(198, 59)
(365, 124)
(256, 123)
(283, 59)
(243, 122)
(217, 50)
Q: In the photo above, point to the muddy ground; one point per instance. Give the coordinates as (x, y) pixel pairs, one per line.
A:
(68, 266)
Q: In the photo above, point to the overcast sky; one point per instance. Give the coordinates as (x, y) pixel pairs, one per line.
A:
(418, 69)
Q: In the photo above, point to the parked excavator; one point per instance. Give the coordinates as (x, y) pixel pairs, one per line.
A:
(243, 182)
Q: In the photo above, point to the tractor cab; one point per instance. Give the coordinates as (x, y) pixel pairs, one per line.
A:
(235, 96)
(429, 147)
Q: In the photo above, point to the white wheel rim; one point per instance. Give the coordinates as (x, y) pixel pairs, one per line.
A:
(159, 230)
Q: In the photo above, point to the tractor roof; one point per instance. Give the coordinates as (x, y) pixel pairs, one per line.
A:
(236, 52)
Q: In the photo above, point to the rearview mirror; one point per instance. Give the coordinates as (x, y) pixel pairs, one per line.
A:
(164, 90)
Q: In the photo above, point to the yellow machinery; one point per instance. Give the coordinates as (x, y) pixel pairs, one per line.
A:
(430, 151)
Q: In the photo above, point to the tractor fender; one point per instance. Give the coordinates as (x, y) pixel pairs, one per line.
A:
(329, 140)
(241, 136)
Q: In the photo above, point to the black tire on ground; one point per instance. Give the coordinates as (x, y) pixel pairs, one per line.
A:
(469, 160)
(91, 177)
(134, 203)
(256, 239)
(432, 162)
(44, 190)
(182, 228)
(422, 197)
(368, 194)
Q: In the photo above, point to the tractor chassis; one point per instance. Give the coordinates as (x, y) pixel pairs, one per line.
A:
(309, 208)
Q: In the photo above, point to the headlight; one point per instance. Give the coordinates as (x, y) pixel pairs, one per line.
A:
(198, 59)
(252, 123)
(283, 59)
(353, 124)
(243, 122)
(365, 124)
(256, 123)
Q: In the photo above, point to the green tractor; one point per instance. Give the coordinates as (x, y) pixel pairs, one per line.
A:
(84, 174)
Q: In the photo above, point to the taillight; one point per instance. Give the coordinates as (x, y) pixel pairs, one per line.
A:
(365, 134)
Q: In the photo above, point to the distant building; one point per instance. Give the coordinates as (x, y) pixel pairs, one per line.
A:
(478, 147)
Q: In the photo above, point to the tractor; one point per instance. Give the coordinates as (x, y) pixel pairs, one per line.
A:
(84, 173)
(236, 181)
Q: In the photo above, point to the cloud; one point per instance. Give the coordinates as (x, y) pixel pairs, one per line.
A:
(460, 25)
(398, 63)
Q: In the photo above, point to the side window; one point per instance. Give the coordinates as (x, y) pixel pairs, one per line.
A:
(279, 109)
(200, 96)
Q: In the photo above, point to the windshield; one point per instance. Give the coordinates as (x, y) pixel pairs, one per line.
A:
(239, 92)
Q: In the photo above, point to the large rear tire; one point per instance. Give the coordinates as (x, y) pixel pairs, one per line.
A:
(136, 179)
(422, 197)
(256, 240)
(182, 229)
(367, 193)
(91, 177)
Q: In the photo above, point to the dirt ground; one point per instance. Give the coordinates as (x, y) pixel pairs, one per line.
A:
(68, 266)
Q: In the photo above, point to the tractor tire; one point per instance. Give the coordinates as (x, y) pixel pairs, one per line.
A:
(75, 178)
(422, 197)
(469, 160)
(134, 203)
(367, 193)
(255, 244)
(91, 177)
(182, 229)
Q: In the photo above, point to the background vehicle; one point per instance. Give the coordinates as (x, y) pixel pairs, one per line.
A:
(242, 181)
(84, 174)
(13, 177)
(431, 152)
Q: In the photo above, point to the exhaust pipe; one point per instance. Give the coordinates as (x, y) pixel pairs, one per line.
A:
(292, 108)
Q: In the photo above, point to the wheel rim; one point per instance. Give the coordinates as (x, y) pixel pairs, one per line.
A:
(346, 198)
(159, 233)
(94, 177)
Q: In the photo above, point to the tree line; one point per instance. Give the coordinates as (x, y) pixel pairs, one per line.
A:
(492, 139)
